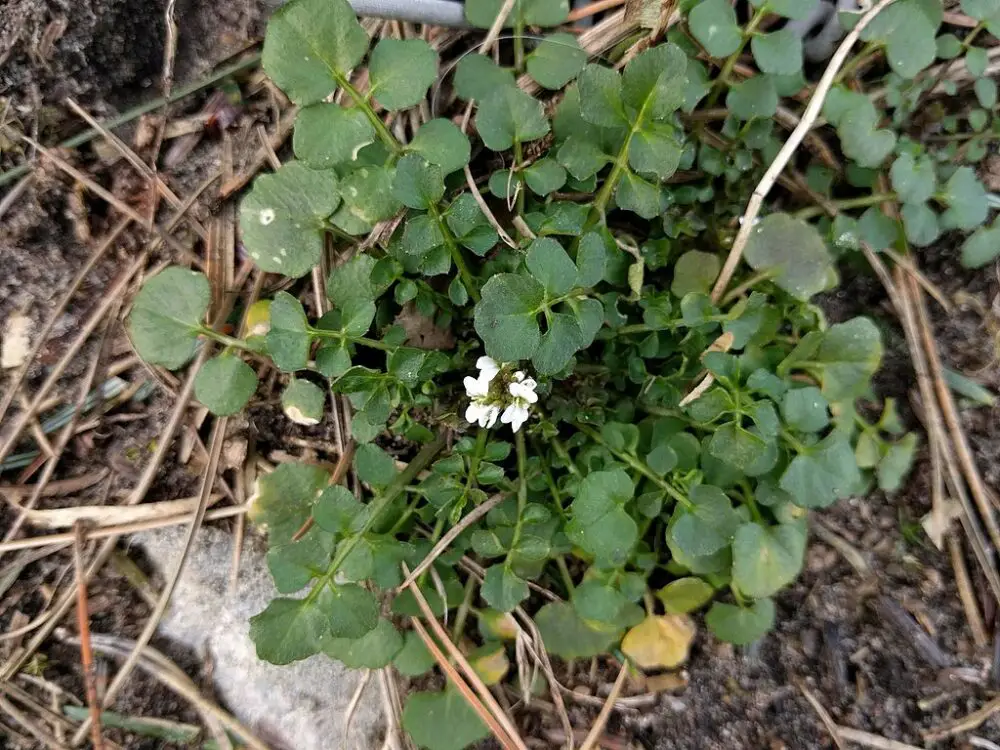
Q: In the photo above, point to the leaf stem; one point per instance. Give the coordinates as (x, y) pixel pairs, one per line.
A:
(379, 504)
(730, 63)
(383, 132)
(362, 340)
(522, 488)
(637, 464)
(847, 203)
(456, 253)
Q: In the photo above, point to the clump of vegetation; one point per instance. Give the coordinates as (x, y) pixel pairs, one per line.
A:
(647, 443)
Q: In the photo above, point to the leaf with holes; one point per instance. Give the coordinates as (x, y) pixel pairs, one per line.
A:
(283, 218)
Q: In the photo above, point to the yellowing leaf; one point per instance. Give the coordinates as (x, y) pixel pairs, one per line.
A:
(660, 642)
(490, 662)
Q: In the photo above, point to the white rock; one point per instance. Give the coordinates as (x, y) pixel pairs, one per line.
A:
(16, 341)
(300, 706)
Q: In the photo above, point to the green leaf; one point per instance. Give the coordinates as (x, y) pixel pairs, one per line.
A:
(558, 344)
(797, 10)
(599, 522)
(656, 150)
(707, 527)
(294, 564)
(601, 89)
(921, 224)
(374, 650)
(421, 235)
(566, 635)
(713, 23)
(794, 251)
(685, 595)
(877, 229)
(291, 629)
(477, 76)
(694, 271)
(414, 659)
(754, 97)
(442, 721)
(374, 466)
(779, 52)
(582, 158)
(740, 625)
(860, 138)
(545, 176)
(303, 402)
(597, 602)
(282, 218)
(338, 511)
(896, 463)
(310, 44)
(805, 409)
(640, 196)
(591, 260)
(505, 316)
(167, 314)
(483, 13)
(441, 142)
(289, 338)
(766, 559)
(965, 195)
(508, 115)
(913, 179)
(502, 589)
(556, 61)
(846, 357)
(283, 500)
(470, 226)
(551, 266)
(401, 72)
(986, 92)
(367, 199)
(419, 184)
(982, 247)
(981, 10)
(328, 135)
(654, 81)
(826, 473)
(737, 446)
(907, 28)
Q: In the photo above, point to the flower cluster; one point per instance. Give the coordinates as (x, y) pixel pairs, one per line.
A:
(513, 392)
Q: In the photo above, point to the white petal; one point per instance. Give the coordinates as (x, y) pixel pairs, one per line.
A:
(518, 376)
(494, 412)
(475, 387)
(488, 368)
(473, 412)
(515, 416)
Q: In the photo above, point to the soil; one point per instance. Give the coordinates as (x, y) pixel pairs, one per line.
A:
(833, 634)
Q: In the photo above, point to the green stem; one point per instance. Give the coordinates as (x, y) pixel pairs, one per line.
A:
(463, 609)
(637, 464)
(730, 63)
(518, 43)
(383, 133)
(223, 339)
(793, 441)
(522, 487)
(861, 202)
(379, 504)
(456, 253)
(362, 340)
(551, 482)
(518, 161)
(564, 572)
(561, 451)
(867, 52)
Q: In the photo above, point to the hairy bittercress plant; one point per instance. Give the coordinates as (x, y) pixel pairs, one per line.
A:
(586, 336)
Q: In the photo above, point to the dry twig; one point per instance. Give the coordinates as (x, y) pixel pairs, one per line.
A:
(594, 735)
(86, 653)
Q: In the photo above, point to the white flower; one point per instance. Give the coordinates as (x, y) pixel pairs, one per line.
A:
(488, 368)
(482, 413)
(523, 389)
(515, 415)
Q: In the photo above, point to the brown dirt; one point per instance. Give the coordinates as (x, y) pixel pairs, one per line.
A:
(831, 635)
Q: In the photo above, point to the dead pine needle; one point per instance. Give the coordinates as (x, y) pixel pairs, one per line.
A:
(83, 627)
(594, 735)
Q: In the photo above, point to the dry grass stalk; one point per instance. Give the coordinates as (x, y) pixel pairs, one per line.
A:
(785, 154)
(594, 735)
(448, 538)
(207, 483)
(966, 593)
(824, 715)
(456, 679)
(965, 724)
(867, 739)
(86, 653)
(509, 730)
